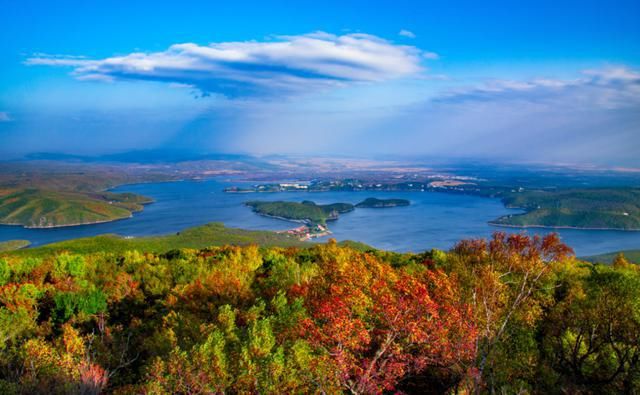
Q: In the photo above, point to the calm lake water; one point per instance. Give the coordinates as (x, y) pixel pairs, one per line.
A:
(433, 220)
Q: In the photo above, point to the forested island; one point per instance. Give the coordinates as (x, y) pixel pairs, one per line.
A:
(315, 216)
(382, 203)
(308, 212)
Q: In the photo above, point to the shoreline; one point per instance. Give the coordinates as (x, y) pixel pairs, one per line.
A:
(304, 233)
(561, 227)
(69, 225)
(131, 213)
(298, 221)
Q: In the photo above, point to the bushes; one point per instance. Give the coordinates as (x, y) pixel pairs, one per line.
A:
(69, 265)
(5, 272)
(68, 304)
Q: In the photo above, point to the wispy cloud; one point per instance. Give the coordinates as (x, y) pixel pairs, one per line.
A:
(406, 33)
(594, 117)
(608, 88)
(4, 116)
(285, 64)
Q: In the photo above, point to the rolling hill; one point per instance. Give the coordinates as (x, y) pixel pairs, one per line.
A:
(35, 208)
(631, 255)
(598, 208)
(212, 234)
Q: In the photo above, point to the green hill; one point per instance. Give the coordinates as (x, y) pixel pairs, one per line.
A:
(610, 208)
(35, 208)
(12, 245)
(630, 255)
(213, 234)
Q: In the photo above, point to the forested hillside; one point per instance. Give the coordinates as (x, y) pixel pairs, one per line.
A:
(34, 208)
(596, 208)
(507, 315)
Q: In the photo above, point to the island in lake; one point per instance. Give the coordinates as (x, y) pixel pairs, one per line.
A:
(314, 216)
(307, 212)
(611, 208)
(382, 203)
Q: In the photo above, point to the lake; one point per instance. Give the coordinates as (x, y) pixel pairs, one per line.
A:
(433, 220)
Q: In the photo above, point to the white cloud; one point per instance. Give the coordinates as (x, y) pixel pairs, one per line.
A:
(4, 116)
(406, 33)
(286, 64)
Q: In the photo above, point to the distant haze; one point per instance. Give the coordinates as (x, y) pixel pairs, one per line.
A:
(554, 83)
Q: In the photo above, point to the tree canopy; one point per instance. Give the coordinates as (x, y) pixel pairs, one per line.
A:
(511, 314)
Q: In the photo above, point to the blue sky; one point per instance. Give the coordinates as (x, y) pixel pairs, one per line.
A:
(533, 81)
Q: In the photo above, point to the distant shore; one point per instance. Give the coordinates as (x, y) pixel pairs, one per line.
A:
(560, 227)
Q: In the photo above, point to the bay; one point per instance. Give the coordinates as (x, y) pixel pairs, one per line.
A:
(433, 220)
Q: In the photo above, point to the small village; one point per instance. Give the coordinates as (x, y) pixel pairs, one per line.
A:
(307, 231)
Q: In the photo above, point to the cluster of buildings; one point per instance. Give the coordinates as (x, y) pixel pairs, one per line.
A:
(306, 232)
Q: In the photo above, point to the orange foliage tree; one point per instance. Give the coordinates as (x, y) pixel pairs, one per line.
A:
(382, 324)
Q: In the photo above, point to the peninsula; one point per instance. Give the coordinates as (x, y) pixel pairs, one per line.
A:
(36, 208)
(597, 208)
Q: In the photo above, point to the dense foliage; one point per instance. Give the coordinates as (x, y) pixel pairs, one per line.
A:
(510, 314)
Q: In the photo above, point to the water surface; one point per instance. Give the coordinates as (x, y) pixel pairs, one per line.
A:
(433, 220)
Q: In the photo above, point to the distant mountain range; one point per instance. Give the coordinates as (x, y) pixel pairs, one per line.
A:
(141, 156)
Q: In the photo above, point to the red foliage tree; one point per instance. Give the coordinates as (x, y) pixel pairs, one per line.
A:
(380, 324)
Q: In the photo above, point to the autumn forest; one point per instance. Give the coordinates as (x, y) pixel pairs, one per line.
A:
(506, 315)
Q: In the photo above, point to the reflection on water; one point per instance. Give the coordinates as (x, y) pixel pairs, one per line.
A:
(433, 220)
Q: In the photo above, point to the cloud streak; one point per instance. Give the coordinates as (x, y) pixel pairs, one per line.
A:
(608, 88)
(288, 64)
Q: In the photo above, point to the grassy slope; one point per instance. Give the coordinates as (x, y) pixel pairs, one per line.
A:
(213, 234)
(40, 208)
(580, 208)
(631, 255)
(12, 245)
